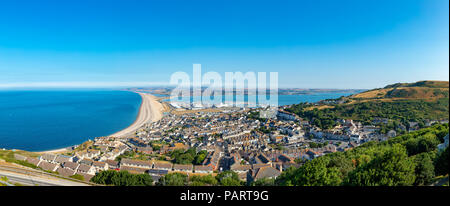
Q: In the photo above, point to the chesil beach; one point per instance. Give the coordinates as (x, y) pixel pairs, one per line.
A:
(150, 111)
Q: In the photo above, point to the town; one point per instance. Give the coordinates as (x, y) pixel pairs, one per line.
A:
(254, 143)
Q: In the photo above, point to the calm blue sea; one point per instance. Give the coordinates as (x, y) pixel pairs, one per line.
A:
(44, 120)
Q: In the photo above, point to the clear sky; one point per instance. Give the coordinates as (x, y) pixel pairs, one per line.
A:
(311, 43)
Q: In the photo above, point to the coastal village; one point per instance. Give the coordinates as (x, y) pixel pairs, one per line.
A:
(255, 143)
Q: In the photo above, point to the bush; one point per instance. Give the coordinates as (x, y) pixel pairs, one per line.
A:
(122, 178)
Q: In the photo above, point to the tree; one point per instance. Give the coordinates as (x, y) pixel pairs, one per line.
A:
(441, 162)
(425, 143)
(173, 179)
(424, 169)
(122, 178)
(200, 157)
(203, 180)
(228, 178)
(392, 168)
(264, 182)
(316, 173)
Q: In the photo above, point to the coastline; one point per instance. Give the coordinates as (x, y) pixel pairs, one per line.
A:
(150, 110)
(61, 150)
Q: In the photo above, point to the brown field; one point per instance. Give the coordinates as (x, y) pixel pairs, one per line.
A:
(372, 94)
(318, 107)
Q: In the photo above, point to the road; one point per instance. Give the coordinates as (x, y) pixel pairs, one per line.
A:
(25, 176)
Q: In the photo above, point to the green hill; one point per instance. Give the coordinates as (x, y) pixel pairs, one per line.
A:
(401, 104)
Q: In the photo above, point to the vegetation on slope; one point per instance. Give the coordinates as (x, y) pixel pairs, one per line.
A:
(401, 103)
(410, 159)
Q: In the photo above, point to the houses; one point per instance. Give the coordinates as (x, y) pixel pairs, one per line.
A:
(441, 147)
(391, 133)
(213, 158)
(283, 115)
(86, 162)
(71, 165)
(145, 150)
(33, 161)
(203, 169)
(238, 168)
(133, 170)
(378, 120)
(182, 168)
(112, 165)
(413, 126)
(65, 172)
(160, 165)
(48, 166)
(89, 154)
(100, 166)
(157, 174)
(20, 157)
(86, 169)
(63, 158)
(136, 163)
(262, 172)
(48, 157)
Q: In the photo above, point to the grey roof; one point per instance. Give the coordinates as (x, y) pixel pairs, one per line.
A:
(112, 163)
(33, 161)
(163, 165)
(157, 172)
(136, 162)
(65, 172)
(182, 167)
(70, 165)
(202, 168)
(62, 159)
(47, 166)
(19, 157)
(99, 164)
(238, 167)
(86, 161)
(266, 172)
(48, 157)
(84, 168)
(133, 169)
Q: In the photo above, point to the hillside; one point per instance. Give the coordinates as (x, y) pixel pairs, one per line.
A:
(401, 103)
(424, 90)
(428, 84)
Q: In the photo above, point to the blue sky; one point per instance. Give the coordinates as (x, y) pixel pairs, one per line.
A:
(312, 44)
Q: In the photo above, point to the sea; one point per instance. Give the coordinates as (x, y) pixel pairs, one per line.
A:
(46, 120)
(53, 119)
